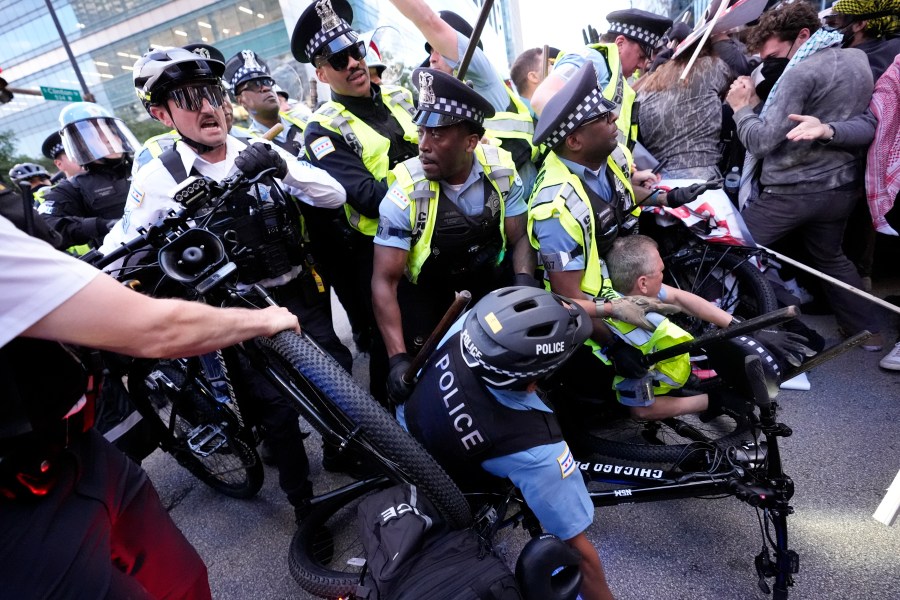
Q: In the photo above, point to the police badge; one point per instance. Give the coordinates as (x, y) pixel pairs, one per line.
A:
(250, 61)
(426, 93)
(326, 13)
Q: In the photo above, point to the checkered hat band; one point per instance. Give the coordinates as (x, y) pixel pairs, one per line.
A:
(240, 73)
(453, 108)
(585, 109)
(55, 150)
(322, 37)
(635, 32)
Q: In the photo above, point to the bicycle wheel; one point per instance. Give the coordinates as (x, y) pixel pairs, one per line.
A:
(358, 418)
(201, 435)
(611, 433)
(326, 553)
(729, 280)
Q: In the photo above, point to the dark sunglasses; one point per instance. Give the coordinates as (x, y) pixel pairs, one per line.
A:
(191, 97)
(254, 85)
(608, 116)
(340, 60)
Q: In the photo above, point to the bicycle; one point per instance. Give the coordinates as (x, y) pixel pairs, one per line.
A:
(708, 252)
(693, 462)
(194, 260)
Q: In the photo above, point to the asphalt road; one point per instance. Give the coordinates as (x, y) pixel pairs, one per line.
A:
(844, 453)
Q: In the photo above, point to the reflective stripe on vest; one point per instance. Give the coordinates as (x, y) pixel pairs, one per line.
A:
(368, 144)
(516, 124)
(500, 170)
(562, 196)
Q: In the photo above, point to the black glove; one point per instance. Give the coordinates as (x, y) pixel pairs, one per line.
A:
(397, 388)
(110, 224)
(786, 346)
(258, 157)
(680, 196)
(527, 280)
(627, 360)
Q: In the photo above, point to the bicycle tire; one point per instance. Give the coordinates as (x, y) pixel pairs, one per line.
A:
(727, 279)
(613, 434)
(234, 468)
(326, 541)
(409, 462)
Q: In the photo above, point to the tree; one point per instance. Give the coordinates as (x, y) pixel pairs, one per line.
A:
(8, 158)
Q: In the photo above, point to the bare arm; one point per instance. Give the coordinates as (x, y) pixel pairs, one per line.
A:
(697, 307)
(568, 284)
(437, 32)
(593, 585)
(524, 258)
(107, 315)
(386, 273)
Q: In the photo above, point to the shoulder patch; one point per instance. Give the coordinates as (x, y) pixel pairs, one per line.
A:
(398, 197)
(136, 196)
(321, 147)
(566, 463)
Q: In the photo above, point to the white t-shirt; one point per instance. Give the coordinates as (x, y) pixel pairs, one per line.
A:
(34, 280)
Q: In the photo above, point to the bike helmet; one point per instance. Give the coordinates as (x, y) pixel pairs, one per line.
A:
(89, 133)
(727, 358)
(515, 335)
(547, 569)
(158, 71)
(23, 172)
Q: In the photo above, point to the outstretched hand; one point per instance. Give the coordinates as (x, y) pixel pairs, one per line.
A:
(809, 128)
(787, 346)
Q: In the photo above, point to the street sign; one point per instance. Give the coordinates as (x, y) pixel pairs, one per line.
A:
(62, 94)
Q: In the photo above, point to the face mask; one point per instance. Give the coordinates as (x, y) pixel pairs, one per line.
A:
(766, 74)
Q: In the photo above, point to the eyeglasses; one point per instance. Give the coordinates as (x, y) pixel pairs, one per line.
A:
(255, 85)
(340, 60)
(191, 97)
(607, 116)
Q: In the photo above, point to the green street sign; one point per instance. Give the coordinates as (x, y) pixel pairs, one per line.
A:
(62, 94)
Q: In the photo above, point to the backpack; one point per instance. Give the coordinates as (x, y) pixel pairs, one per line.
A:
(411, 554)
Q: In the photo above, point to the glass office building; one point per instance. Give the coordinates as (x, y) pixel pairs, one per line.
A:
(107, 36)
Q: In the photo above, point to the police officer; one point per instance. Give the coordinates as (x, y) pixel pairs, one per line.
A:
(53, 149)
(358, 136)
(583, 200)
(248, 78)
(448, 36)
(184, 91)
(627, 46)
(77, 518)
(83, 208)
(158, 144)
(453, 219)
(475, 408)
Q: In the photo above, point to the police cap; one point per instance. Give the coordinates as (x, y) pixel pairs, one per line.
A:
(459, 24)
(577, 102)
(324, 27)
(242, 67)
(206, 51)
(445, 100)
(641, 26)
(52, 146)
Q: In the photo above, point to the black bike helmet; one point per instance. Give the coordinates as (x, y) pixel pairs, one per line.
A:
(23, 172)
(547, 569)
(515, 335)
(727, 358)
(158, 71)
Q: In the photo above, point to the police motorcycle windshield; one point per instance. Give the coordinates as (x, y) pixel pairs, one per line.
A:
(93, 139)
(426, 118)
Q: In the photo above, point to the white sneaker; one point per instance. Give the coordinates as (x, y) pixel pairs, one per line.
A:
(892, 359)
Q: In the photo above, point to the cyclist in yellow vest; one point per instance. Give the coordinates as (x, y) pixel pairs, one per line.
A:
(358, 136)
(626, 47)
(447, 36)
(454, 219)
(247, 76)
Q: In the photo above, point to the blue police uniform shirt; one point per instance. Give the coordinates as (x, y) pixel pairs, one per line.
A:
(547, 475)
(569, 64)
(556, 243)
(469, 199)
